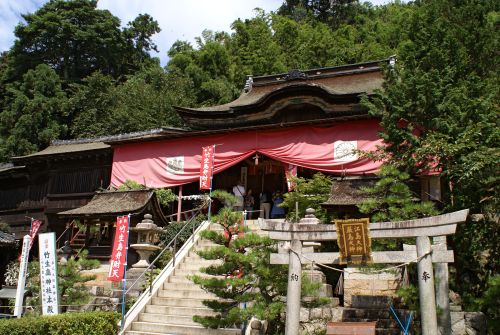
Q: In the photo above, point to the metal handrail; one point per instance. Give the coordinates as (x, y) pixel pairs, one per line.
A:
(174, 241)
(64, 232)
(172, 216)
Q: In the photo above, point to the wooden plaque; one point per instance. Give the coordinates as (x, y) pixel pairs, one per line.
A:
(354, 241)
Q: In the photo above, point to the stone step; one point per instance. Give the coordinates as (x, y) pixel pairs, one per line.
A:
(186, 294)
(168, 319)
(188, 272)
(177, 310)
(181, 302)
(198, 264)
(381, 323)
(183, 278)
(205, 243)
(390, 331)
(185, 286)
(161, 328)
(374, 314)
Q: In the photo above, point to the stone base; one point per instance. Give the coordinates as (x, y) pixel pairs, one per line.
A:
(366, 284)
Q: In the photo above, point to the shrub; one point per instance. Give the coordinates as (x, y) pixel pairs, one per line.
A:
(88, 323)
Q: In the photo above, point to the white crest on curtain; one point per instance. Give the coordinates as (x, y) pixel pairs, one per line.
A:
(345, 150)
(175, 165)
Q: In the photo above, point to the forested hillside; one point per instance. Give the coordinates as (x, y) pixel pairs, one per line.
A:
(73, 72)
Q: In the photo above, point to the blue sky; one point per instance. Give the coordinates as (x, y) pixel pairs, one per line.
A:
(172, 16)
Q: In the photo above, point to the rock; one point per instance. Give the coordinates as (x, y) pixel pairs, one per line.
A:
(475, 323)
(304, 314)
(255, 324)
(336, 314)
(315, 313)
(457, 323)
(326, 313)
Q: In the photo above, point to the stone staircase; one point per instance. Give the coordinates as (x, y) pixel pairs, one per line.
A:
(171, 309)
(386, 324)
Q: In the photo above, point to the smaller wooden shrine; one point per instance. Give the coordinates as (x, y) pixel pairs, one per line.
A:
(97, 219)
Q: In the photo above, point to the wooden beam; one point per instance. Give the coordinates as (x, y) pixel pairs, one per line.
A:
(379, 257)
(439, 225)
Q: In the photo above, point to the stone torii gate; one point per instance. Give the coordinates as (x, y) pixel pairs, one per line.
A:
(422, 229)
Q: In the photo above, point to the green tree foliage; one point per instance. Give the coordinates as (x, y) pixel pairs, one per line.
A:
(76, 39)
(88, 323)
(101, 106)
(439, 110)
(70, 282)
(33, 115)
(243, 276)
(165, 195)
(390, 199)
(272, 43)
(308, 193)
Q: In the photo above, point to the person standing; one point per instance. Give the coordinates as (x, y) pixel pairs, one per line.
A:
(277, 212)
(249, 203)
(265, 204)
(239, 193)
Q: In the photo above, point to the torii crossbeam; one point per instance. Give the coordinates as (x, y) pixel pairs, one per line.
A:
(422, 229)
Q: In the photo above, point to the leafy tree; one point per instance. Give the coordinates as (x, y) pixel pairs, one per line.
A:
(76, 39)
(33, 114)
(308, 193)
(90, 106)
(101, 106)
(138, 35)
(439, 110)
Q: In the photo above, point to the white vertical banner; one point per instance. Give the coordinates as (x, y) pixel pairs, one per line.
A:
(23, 267)
(48, 273)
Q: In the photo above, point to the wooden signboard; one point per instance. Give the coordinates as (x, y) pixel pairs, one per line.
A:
(354, 241)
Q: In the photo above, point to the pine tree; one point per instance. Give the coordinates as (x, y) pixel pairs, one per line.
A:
(245, 276)
(392, 200)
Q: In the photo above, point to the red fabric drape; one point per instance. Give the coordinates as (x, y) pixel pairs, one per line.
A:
(307, 146)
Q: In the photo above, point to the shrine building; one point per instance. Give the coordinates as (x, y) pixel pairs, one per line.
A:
(312, 120)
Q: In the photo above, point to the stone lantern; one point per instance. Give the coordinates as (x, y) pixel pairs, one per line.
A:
(147, 235)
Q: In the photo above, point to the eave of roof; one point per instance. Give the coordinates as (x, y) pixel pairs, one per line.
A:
(116, 203)
(64, 149)
(263, 86)
(7, 239)
(199, 133)
(347, 191)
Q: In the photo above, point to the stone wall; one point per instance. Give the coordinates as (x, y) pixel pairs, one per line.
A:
(367, 284)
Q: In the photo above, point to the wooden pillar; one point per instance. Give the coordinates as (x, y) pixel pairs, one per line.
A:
(179, 204)
(293, 290)
(426, 287)
(442, 288)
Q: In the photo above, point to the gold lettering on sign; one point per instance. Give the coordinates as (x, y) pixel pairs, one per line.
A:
(354, 241)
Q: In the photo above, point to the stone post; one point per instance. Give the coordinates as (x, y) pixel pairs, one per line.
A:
(442, 289)
(293, 291)
(426, 287)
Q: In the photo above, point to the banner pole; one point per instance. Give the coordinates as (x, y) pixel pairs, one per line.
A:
(124, 280)
(211, 182)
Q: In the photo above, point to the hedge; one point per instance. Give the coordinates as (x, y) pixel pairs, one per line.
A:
(85, 323)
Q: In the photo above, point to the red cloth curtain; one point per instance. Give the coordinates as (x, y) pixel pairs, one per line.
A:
(174, 162)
